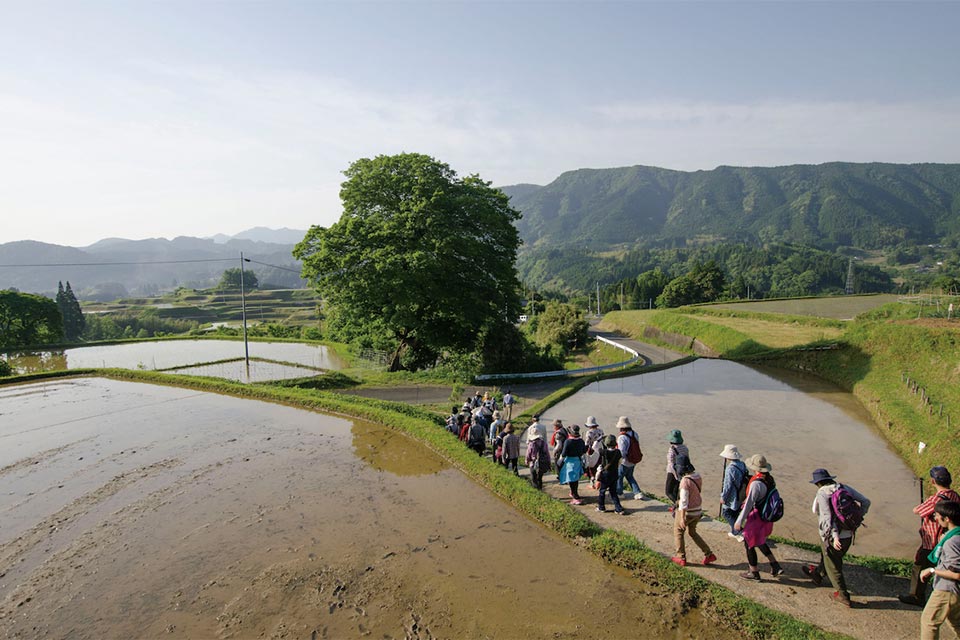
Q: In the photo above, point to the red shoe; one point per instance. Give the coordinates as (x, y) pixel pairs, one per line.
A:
(710, 559)
(679, 561)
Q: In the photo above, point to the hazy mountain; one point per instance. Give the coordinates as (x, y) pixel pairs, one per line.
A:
(278, 236)
(863, 205)
(140, 266)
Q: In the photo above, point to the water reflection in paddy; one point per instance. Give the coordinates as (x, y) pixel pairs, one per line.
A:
(800, 423)
(166, 354)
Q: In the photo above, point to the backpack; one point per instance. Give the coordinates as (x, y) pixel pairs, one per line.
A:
(634, 455)
(536, 465)
(772, 508)
(740, 481)
(847, 510)
(476, 435)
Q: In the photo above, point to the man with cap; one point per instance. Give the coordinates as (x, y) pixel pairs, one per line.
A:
(734, 490)
(624, 441)
(508, 402)
(835, 539)
(930, 532)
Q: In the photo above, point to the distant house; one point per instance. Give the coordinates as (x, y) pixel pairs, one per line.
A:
(523, 318)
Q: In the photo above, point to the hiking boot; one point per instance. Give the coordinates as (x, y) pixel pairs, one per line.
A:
(911, 600)
(810, 570)
(710, 559)
(751, 575)
(842, 598)
(679, 561)
(776, 570)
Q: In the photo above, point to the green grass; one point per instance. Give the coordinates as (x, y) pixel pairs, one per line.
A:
(837, 307)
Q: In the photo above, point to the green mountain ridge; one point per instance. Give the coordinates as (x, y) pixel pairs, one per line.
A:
(869, 205)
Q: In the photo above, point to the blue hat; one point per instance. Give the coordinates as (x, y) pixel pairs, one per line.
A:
(819, 475)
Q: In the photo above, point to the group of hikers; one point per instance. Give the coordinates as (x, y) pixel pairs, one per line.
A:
(750, 502)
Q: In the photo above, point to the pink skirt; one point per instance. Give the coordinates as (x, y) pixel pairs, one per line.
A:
(755, 530)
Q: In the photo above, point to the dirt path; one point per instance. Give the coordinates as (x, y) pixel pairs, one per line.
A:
(875, 595)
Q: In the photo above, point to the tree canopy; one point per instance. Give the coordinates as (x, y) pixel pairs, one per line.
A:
(419, 253)
(231, 279)
(27, 319)
(73, 320)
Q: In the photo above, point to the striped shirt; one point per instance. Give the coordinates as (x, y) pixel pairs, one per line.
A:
(930, 531)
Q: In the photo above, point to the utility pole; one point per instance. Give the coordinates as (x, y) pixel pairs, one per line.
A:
(598, 297)
(621, 295)
(243, 314)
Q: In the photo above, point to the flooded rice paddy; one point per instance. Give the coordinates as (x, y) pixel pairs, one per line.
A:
(134, 510)
(169, 354)
(798, 422)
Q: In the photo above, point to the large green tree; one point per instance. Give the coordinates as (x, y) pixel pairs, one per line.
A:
(27, 319)
(231, 279)
(419, 253)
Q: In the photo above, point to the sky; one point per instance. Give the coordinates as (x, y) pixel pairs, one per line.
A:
(158, 119)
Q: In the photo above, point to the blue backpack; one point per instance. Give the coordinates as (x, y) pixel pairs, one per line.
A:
(772, 508)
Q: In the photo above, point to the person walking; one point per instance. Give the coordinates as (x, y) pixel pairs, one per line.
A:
(607, 474)
(630, 455)
(689, 511)
(930, 532)
(755, 529)
(734, 490)
(571, 463)
(508, 402)
(477, 437)
(592, 440)
(672, 484)
(536, 427)
(557, 438)
(537, 458)
(511, 448)
(497, 425)
(944, 603)
(836, 530)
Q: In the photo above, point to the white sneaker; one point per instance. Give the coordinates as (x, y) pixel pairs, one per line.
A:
(735, 537)
(639, 496)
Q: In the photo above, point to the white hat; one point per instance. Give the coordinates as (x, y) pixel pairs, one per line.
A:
(591, 422)
(623, 422)
(730, 452)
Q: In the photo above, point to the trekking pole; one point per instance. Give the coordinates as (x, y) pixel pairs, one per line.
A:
(722, 476)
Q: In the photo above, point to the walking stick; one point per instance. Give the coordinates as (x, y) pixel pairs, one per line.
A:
(722, 476)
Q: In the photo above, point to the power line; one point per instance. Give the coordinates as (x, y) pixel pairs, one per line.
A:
(271, 265)
(108, 264)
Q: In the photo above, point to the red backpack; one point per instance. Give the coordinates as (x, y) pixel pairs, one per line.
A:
(634, 455)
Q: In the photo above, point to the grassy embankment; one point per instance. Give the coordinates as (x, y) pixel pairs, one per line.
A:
(904, 373)
(719, 603)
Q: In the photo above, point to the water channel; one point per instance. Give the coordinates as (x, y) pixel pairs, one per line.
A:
(798, 422)
(135, 510)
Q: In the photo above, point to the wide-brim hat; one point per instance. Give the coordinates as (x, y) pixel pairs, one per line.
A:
(609, 441)
(730, 452)
(623, 422)
(533, 434)
(591, 422)
(675, 437)
(819, 475)
(758, 462)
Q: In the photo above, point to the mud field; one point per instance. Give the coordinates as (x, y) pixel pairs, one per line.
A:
(132, 510)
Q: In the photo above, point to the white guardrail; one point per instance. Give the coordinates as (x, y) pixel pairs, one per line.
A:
(569, 372)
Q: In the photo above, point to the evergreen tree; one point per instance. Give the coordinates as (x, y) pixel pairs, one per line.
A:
(73, 321)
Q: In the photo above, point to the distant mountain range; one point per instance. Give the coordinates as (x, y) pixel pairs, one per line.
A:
(828, 205)
(142, 267)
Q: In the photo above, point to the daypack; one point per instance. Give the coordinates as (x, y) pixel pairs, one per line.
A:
(740, 481)
(476, 435)
(772, 508)
(537, 464)
(634, 455)
(847, 510)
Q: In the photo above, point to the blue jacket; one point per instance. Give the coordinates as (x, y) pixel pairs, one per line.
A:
(734, 478)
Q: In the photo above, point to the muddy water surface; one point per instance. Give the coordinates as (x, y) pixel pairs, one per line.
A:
(798, 422)
(132, 510)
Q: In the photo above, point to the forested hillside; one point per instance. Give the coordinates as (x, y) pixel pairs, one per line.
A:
(827, 206)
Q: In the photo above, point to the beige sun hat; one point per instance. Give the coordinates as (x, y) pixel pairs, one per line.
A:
(730, 452)
(758, 462)
(591, 422)
(623, 422)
